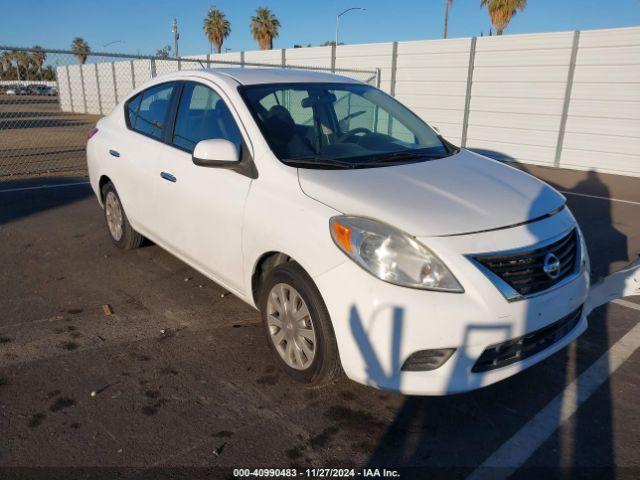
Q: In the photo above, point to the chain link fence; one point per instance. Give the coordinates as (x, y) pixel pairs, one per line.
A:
(50, 99)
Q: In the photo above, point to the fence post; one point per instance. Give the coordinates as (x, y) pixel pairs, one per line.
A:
(394, 67)
(133, 76)
(66, 68)
(84, 93)
(208, 60)
(115, 86)
(283, 55)
(242, 58)
(179, 64)
(567, 97)
(333, 58)
(467, 96)
(98, 88)
(153, 68)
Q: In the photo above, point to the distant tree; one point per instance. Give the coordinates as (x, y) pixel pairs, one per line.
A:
(216, 27)
(81, 49)
(264, 28)
(330, 43)
(22, 60)
(164, 52)
(38, 57)
(502, 11)
(48, 73)
(447, 5)
(6, 60)
(4, 64)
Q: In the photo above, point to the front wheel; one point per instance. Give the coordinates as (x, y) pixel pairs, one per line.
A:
(298, 326)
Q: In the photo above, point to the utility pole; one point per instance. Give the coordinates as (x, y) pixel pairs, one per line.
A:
(176, 37)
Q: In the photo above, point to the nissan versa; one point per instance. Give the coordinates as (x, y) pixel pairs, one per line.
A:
(371, 245)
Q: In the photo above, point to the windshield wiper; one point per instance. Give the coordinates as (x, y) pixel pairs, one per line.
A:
(406, 155)
(318, 161)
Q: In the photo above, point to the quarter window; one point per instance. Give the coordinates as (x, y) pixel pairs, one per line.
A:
(132, 109)
(203, 115)
(151, 107)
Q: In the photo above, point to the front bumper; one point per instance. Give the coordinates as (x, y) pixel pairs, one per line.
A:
(379, 325)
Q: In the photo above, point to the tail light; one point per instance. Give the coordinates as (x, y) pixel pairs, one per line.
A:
(91, 133)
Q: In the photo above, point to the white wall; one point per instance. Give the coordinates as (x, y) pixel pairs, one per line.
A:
(518, 91)
(603, 125)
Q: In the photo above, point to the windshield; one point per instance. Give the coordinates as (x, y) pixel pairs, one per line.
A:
(327, 125)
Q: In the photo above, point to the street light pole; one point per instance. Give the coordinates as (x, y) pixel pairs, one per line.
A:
(338, 19)
(112, 43)
(176, 37)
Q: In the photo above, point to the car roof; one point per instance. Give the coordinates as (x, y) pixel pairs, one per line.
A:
(255, 76)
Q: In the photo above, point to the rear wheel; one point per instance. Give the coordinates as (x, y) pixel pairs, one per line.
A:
(298, 326)
(121, 233)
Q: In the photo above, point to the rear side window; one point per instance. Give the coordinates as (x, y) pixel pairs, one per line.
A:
(203, 115)
(132, 109)
(152, 107)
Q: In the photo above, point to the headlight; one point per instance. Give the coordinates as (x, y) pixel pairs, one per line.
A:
(585, 263)
(391, 255)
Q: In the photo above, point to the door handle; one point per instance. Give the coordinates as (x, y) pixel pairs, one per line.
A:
(168, 176)
(114, 153)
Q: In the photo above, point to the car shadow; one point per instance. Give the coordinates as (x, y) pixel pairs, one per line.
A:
(487, 417)
(24, 197)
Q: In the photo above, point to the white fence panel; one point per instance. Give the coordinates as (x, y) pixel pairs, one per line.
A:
(309, 57)
(369, 56)
(431, 78)
(603, 122)
(75, 82)
(517, 95)
(91, 89)
(225, 57)
(272, 57)
(124, 79)
(107, 88)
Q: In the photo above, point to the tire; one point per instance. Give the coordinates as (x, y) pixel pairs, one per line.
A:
(122, 234)
(290, 280)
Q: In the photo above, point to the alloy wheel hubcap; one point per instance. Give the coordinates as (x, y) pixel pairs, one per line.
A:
(113, 211)
(291, 327)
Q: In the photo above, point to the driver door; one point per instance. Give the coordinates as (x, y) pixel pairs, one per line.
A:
(203, 205)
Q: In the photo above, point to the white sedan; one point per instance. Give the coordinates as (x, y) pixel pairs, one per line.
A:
(372, 246)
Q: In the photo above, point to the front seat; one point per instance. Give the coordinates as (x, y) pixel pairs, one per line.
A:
(280, 127)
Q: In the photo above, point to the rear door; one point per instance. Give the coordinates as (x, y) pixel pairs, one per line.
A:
(203, 206)
(139, 151)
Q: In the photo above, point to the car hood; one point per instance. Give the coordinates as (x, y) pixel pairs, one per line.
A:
(463, 193)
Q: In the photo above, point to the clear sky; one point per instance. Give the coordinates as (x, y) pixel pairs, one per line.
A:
(143, 26)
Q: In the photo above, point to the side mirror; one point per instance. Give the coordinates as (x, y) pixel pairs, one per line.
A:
(215, 153)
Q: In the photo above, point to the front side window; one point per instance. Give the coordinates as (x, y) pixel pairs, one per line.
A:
(203, 115)
(148, 111)
(349, 125)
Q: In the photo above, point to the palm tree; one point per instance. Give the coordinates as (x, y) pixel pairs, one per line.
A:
(447, 5)
(80, 48)
(22, 60)
(264, 28)
(216, 27)
(38, 57)
(501, 11)
(5, 63)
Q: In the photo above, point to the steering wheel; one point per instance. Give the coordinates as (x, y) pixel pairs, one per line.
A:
(352, 133)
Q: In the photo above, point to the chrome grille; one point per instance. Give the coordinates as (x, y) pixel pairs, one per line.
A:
(524, 271)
